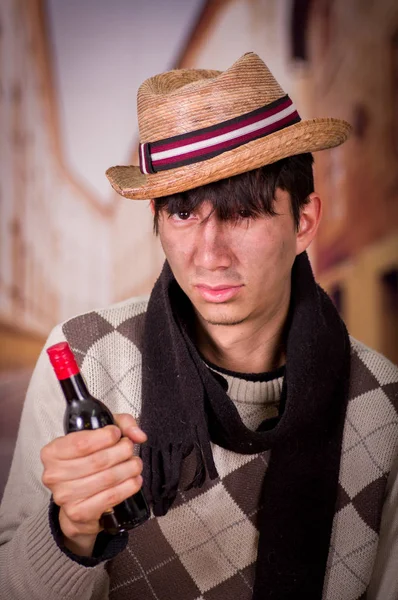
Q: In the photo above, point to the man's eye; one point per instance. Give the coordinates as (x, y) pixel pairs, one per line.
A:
(182, 215)
(244, 214)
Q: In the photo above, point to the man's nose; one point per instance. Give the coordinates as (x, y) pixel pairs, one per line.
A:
(212, 250)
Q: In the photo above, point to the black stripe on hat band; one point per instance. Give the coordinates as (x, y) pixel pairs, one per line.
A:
(148, 160)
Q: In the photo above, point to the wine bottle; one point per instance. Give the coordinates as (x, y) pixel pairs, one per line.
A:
(83, 412)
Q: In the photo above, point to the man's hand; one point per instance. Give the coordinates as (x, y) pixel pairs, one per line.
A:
(89, 472)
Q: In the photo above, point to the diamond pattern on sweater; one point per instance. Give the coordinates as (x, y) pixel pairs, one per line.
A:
(369, 510)
(240, 586)
(228, 461)
(130, 576)
(342, 498)
(99, 340)
(350, 555)
(145, 568)
(212, 536)
(118, 314)
(369, 446)
(244, 485)
(384, 371)
(391, 391)
(86, 330)
(366, 382)
(184, 496)
(370, 418)
(371, 412)
(226, 550)
(133, 329)
(179, 586)
(353, 482)
(108, 378)
(133, 588)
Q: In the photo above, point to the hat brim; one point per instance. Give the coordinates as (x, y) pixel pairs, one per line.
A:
(305, 136)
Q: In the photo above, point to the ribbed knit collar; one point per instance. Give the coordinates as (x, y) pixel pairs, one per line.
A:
(256, 398)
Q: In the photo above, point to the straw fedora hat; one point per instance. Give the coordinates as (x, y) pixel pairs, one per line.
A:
(198, 126)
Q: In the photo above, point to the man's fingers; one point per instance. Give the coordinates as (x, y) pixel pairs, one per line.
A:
(68, 470)
(80, 489)
(84, 443)
(93, 507)
(130, 428)
(81, 443)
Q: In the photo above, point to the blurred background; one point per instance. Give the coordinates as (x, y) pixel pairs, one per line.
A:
(69, 74)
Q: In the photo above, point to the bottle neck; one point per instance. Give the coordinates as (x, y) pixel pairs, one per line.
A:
(74, 388)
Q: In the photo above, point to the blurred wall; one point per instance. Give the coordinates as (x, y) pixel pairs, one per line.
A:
(137, 256)
(48, 223)
(350, 58)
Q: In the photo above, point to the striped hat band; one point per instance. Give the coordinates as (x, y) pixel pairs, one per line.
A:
(203, 144)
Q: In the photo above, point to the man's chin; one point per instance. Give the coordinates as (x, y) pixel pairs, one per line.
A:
(226, 323)
(221, 318)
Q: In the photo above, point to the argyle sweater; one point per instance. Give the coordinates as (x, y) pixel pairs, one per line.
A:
(205, 547)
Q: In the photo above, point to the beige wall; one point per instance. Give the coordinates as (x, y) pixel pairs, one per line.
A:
(136, 253)
(350, 63)
(61, 251)
(239, 26)
(351, 72)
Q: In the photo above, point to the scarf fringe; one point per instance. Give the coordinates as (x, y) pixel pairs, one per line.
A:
(162, 470)
(204, 462)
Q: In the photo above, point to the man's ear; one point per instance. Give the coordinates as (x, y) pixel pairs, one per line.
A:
(152, 206)
(310, 217)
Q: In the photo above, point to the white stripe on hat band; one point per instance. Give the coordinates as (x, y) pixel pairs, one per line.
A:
(144, 169)
(225, 137)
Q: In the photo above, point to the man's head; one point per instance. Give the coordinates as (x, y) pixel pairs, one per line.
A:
(231, 244)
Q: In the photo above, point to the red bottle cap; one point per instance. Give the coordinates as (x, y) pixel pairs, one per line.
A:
(62, 360)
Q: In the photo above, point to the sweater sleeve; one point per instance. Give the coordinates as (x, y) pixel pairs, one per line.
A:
(384, 581)
(32, 565)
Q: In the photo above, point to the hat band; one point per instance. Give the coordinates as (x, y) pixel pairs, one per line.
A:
(203, 144)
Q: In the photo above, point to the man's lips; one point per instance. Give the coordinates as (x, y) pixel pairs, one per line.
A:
(218, 293)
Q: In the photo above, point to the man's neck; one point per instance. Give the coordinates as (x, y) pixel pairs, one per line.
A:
(250, 347)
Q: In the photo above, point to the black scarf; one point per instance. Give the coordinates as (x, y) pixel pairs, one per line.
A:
(184, 407)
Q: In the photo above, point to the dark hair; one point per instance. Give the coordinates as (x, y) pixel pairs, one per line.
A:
(251, 193)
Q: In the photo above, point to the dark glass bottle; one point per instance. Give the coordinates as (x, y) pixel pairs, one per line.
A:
(83, 411)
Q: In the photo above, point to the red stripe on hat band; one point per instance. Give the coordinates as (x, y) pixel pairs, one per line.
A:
(224, 146)
(239, 122)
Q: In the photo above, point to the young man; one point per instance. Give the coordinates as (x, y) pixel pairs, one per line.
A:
(270, 448)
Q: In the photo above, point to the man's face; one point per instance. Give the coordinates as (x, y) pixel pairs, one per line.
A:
(232, 272)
